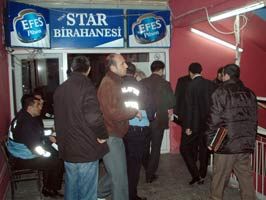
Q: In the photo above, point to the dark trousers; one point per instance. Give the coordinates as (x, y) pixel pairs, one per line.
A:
(134, 142)
(193, 151)
(52, 168)
(152, 150)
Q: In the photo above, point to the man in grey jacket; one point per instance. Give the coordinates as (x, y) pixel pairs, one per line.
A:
(81, 133)
(234, 107)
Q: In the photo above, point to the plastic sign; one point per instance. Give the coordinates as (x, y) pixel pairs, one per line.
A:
(28, 26)
(148, 28)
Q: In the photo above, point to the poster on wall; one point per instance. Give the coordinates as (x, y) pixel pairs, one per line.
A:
(148, 28)
(87, 28)
(28, 26)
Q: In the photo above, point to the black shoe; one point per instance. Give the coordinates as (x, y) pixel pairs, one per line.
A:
(58, 193)
(152, 178)
(49, 193)
(194, 180)
(201, 181)
(141, 198)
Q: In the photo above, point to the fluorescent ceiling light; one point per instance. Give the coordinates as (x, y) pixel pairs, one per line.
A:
(238, 11)
(214, 39)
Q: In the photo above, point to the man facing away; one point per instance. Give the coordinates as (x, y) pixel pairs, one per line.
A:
(234, 107)
(134, 92)
(164, 99)
(26, 147)
(80, 131)
(197, 106)
(116, 115)
(179, 110)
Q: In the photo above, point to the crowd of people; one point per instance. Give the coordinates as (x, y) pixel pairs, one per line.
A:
(122, 123)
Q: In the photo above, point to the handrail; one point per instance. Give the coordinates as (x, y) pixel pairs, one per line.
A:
(261, 98)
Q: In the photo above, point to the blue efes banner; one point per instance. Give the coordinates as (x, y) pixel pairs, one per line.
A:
(87, 28)
(28, 26)
(148, 28)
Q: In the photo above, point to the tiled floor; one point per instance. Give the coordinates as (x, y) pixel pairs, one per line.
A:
(171, 185)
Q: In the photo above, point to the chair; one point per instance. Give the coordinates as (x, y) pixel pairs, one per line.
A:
(17, 174)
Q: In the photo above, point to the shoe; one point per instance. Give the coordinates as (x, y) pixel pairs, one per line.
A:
(152, 178)
(201, 181)
(49, 193)
(59, 194)
(141, 198)
(194, 180)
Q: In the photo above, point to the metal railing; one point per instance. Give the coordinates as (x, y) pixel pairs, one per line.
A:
(258, 161)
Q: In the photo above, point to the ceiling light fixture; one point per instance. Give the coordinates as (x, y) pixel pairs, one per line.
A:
(238, 11)
(214, 39)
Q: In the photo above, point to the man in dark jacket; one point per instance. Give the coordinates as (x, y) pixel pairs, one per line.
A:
(164, 100)
(234, 107)
(81, 133)
(197, 107)
(116, 115)
(25, 144)
(134, 92)
(180, 106)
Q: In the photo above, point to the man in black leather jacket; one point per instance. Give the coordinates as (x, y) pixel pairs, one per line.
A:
(234, 107)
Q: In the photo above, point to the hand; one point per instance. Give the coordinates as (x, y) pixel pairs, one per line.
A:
(101, 141)
(188, 131)
(210, 148)
(52, 139)
(139, 115)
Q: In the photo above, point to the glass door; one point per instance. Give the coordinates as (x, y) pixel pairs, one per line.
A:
(42, 73)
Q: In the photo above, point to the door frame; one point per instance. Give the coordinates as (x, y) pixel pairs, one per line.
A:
(154, 54)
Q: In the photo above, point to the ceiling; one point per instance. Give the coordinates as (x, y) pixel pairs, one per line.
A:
(193, 13)
(86, 3)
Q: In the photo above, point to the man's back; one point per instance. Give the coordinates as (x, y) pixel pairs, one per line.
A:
(180, 92)
(78, 120)
(198, 103)
(162, 95)
(239, 113)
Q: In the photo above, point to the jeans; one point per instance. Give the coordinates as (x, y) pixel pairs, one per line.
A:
(81, 180)
(115, 181)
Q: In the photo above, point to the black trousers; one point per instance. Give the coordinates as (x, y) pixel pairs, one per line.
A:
(52, 168)
(134, 142)
(152, 150)
(193, 150)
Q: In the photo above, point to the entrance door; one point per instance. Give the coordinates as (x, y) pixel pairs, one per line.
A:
(35, 73)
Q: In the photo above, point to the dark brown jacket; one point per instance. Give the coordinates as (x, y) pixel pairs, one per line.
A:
(163, 97)
(115, 114)
(79, 121)
(234, 107)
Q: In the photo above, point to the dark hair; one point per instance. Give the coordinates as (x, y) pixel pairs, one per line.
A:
(27, 100)
(110, 61)
(195, 68)
(220, 70)
(38, 91)
(232, 70)
(80, 64)
(157, 65)
(131, 69)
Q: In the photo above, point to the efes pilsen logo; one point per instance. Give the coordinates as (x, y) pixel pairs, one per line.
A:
(30, 26)
(149, 28)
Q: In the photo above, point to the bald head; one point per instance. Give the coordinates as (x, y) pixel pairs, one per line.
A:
(117, 64)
